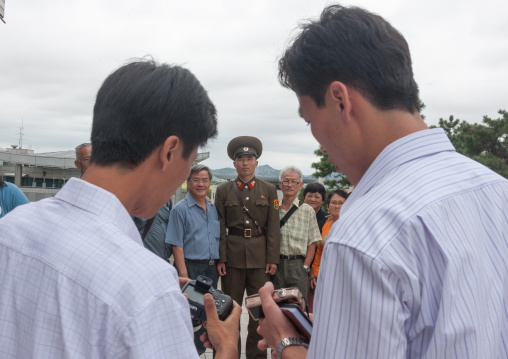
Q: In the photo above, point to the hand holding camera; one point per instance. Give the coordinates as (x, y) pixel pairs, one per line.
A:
(196, 289)
(220, 320)
(276, 327)
(292, 305)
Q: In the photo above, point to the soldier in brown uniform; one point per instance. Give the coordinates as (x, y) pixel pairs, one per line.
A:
(250, 239)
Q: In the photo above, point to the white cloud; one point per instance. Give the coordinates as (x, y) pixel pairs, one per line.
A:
(54, 56)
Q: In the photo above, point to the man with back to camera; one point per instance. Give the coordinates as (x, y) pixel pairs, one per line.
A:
(415, 266)
(83, 154)
(153, 231)
(10, 197)
(248, 210)
(299, 234)
(79, 283)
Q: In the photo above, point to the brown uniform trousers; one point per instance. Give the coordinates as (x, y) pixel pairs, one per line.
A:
(246, 258)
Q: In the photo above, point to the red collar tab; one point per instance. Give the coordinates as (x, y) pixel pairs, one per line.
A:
(242, 184)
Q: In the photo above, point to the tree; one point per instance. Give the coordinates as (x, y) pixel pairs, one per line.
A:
(485, 142)
(324, 168)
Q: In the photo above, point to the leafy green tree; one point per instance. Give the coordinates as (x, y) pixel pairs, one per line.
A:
(485, 142)
(324, 168)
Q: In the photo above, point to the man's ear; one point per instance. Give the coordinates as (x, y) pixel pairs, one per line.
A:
(339, 95)
(169, 150)
(76, 163)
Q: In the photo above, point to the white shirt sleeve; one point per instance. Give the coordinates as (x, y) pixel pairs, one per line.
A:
(359, 310)
(162, 330)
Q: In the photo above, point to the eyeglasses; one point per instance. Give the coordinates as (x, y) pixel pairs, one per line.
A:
(198, 181)
(293, 182)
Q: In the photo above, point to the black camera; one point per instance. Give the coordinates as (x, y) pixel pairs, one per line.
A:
(196, 289)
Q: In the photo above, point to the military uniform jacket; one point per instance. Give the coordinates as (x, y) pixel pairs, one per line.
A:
(262, 202)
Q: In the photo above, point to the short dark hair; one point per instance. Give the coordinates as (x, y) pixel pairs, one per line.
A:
(315, 187)
(338, 192)
(2, 183)
(356, 47)
(141, 104)
(198, 168)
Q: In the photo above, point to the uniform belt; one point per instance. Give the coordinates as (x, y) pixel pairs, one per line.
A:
(291, 256)
(210, 262)
(247, 232)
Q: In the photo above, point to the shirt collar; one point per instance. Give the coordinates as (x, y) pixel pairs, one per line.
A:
(296, 202)
(192, 202)
(99, 202)
(241, 184)
(416, 145)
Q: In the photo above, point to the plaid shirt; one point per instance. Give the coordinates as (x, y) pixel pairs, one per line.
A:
(300, 231)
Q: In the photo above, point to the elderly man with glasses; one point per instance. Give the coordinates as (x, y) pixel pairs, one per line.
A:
(299, 234)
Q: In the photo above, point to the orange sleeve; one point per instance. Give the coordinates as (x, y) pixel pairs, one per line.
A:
(317, 259)
(319, 250)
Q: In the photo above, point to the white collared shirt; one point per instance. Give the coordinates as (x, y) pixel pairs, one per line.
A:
(416, 265)
(76, 282)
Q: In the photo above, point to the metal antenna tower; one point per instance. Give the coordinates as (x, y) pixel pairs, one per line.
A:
(20, 139)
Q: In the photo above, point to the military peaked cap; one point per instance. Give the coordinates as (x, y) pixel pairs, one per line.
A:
(244, 145)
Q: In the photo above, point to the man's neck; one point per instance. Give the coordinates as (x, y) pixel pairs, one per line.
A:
(287, 201)
(246, 180)
(371, 131)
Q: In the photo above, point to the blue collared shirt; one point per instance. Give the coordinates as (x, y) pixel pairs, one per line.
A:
(197, 232)
(10, 197)
(416, 265)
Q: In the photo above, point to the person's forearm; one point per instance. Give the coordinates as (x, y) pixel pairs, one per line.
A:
(228, 353)
(294, 352)
(180, 261)
(311, 249)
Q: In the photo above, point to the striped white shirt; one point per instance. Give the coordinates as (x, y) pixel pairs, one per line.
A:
(416, 266)
(76, 282)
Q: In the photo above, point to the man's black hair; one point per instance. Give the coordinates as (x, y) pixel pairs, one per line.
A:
(338, 192)
(357, 48)
(141, 104)
(2, 183)
(315, 187)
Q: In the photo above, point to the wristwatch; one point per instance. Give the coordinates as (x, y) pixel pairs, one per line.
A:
(287, 342)
(307, 268)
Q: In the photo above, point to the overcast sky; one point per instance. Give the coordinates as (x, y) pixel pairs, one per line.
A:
(54, 55)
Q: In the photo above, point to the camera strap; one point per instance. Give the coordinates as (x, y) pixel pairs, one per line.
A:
(289, 214)
(245, 209)
(148, 224)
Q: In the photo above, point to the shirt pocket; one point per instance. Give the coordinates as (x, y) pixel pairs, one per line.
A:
(262, 202)
(231, 203)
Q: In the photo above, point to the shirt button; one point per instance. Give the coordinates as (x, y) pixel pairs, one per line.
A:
(247, 222)
(246, 198)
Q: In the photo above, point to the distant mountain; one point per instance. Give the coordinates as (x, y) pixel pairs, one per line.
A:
(230, 173)
(227, 171)
(267, 171)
